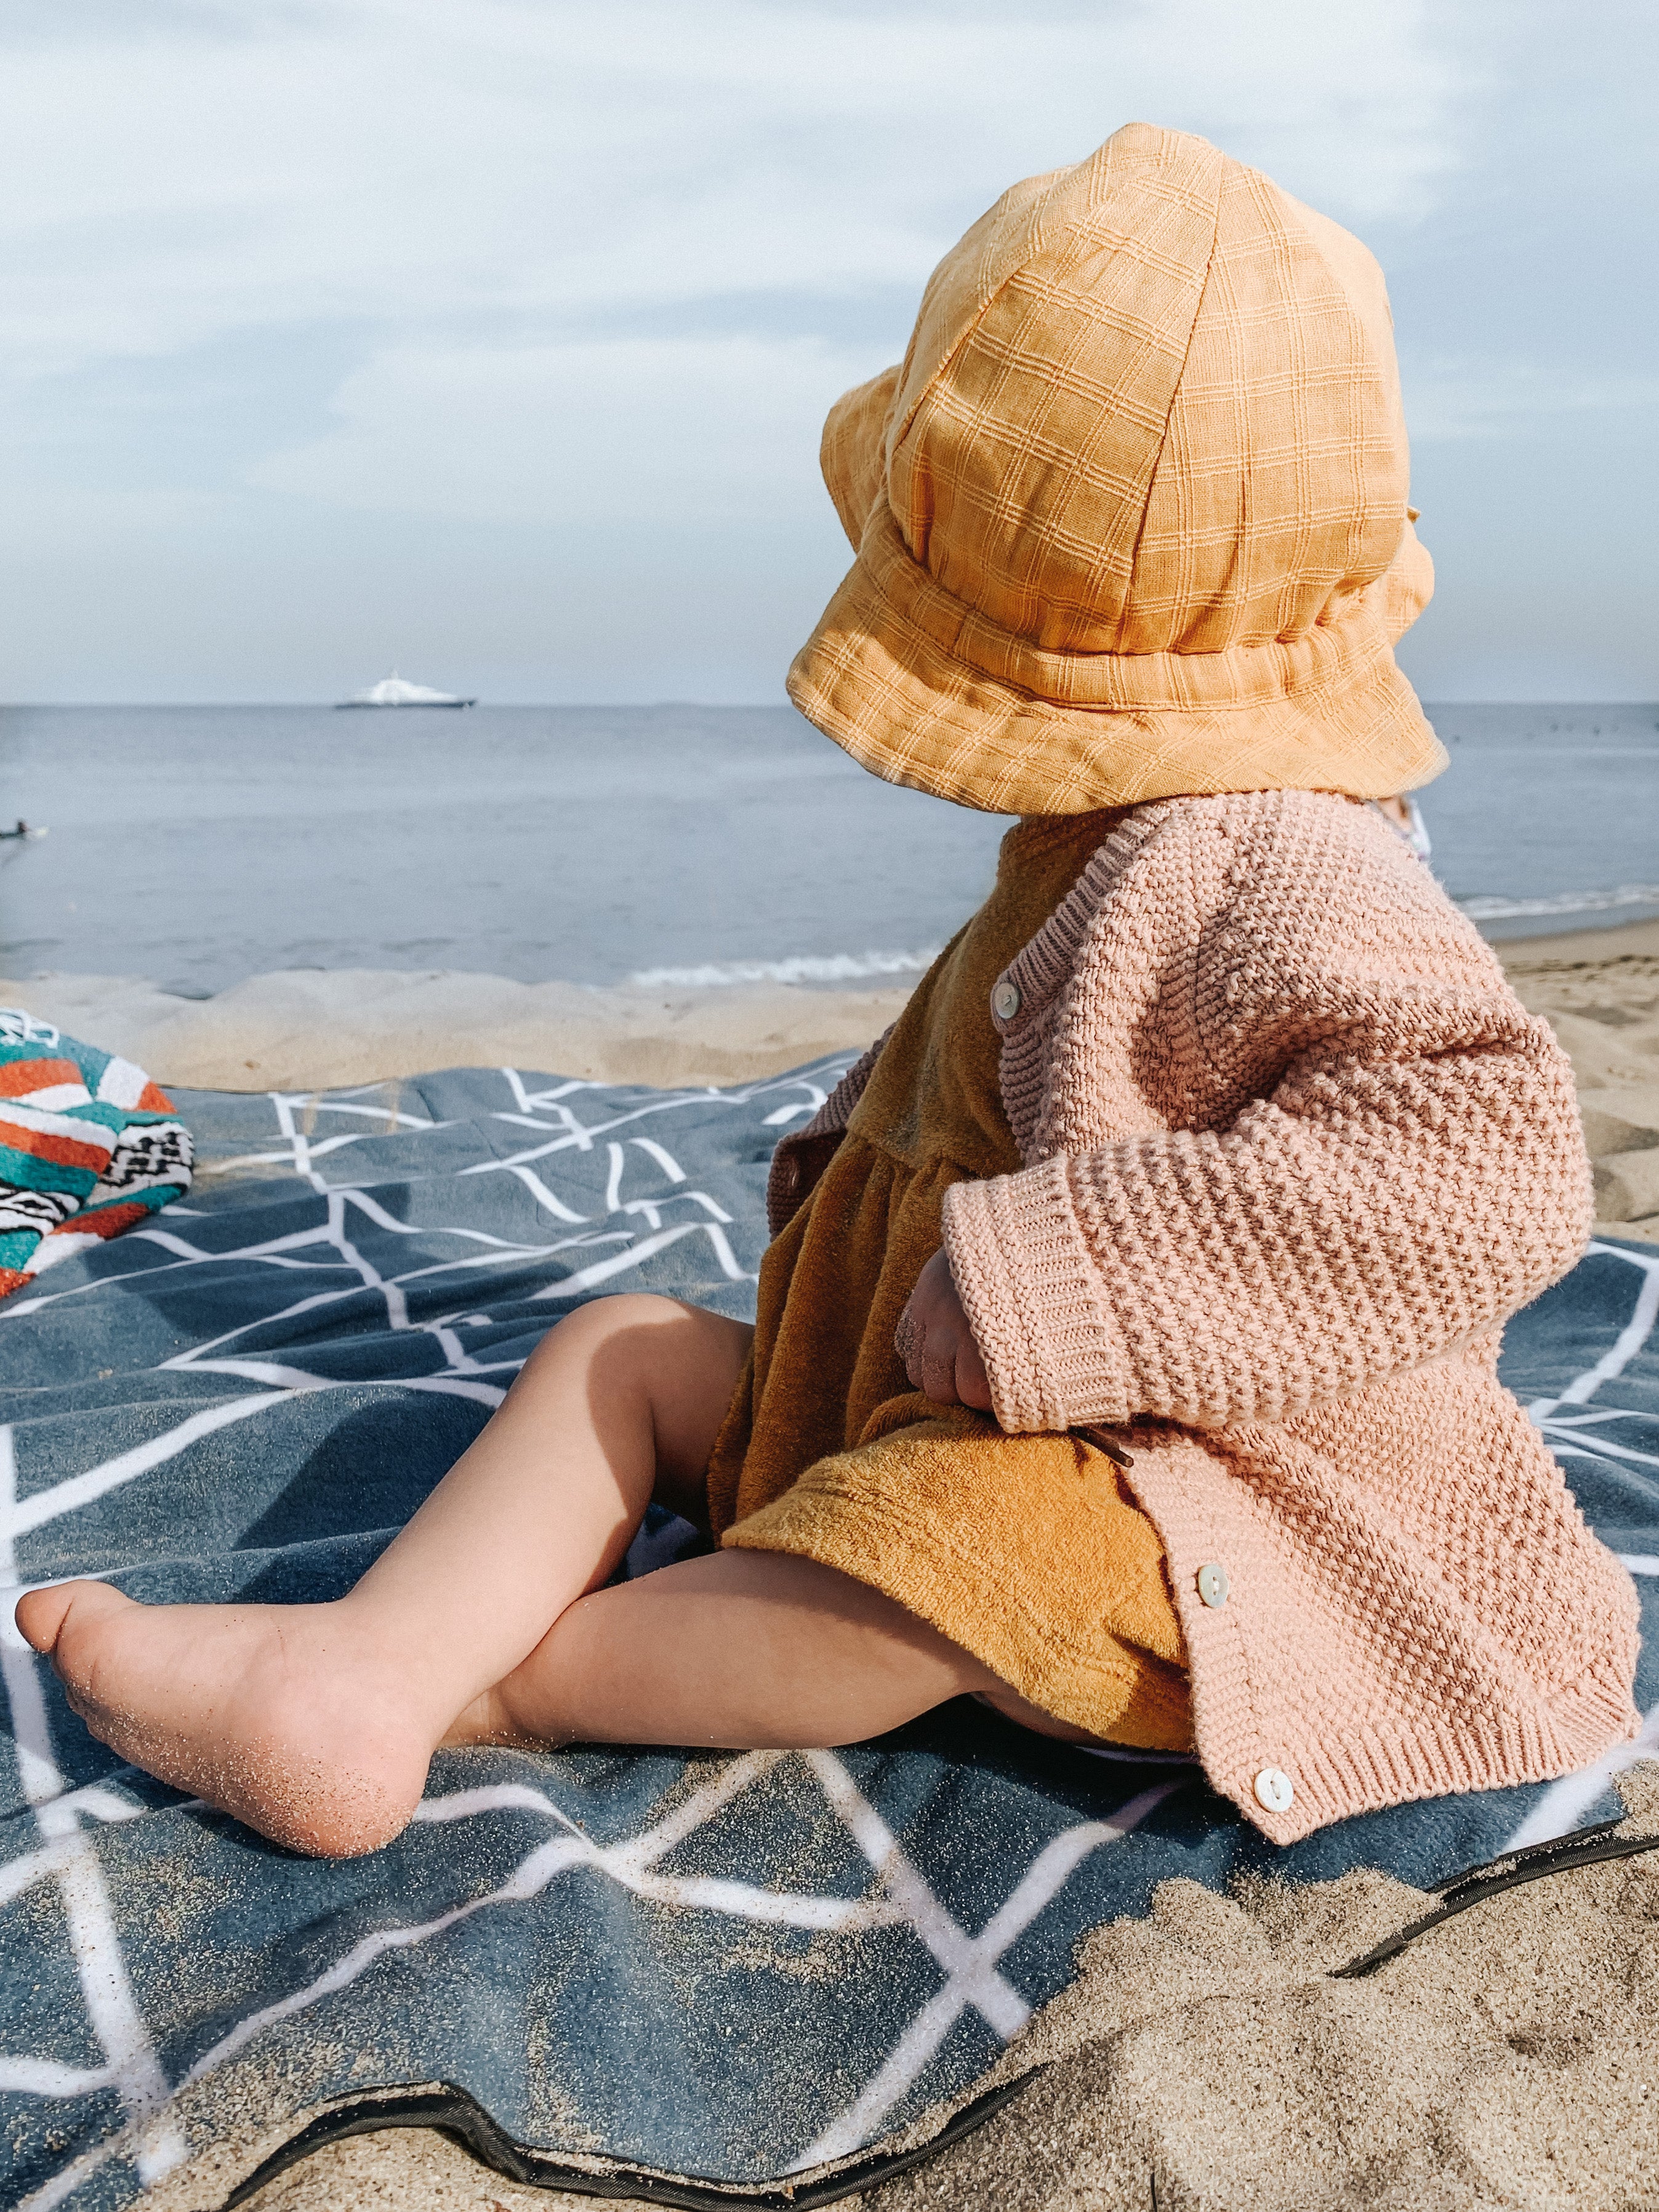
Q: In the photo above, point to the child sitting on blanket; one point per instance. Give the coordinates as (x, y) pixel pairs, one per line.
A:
(1126, 1349)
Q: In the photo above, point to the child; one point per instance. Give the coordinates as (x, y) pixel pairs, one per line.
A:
(1125, 1351)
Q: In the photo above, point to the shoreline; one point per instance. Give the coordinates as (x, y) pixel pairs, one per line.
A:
(311, 1029)
(304, 1029)
(317, 1027)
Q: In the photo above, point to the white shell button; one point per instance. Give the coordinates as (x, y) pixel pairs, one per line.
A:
(1212, 1583)
(1275, 1792)
(1004, 1000)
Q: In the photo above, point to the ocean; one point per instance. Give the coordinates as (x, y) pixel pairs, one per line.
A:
(677, 844)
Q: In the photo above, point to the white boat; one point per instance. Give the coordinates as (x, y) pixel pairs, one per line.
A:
(394, 690)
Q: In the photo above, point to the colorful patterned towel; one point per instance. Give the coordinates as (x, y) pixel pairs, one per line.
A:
(89, 1145)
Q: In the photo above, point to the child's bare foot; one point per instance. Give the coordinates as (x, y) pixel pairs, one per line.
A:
(288, 1717)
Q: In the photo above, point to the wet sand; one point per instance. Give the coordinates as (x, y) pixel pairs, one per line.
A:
(311, 1029)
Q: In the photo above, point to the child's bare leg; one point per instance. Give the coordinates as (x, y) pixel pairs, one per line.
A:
(315, 1723)
(744, 1650)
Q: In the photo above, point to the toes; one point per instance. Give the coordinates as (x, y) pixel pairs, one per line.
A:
(40, 1614)
(63, 1624)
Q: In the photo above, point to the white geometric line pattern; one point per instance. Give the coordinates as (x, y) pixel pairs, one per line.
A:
(1630, 1339)
(67, 1855)
(971, 1962)
(132, 2066)
(541, 1110)
(1562, 1805)
(901, 1896)
(1580, 1435)
(317, 1293)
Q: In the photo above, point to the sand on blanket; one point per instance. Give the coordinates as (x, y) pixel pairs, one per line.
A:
(1204, 2060)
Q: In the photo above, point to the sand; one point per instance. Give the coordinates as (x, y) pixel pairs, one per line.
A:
(1599, 989)
(304, 1029)
(311, 1028)
(1203, 2059)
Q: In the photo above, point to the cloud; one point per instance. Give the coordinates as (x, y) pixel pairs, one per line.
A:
(511, 324)
(579, 434)
(189, 173)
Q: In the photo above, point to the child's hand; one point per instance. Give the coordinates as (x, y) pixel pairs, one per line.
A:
(937, 1346)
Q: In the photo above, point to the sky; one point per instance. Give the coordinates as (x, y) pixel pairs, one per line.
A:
(491, 340)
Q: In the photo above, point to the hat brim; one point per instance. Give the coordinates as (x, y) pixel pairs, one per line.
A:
(1066, 733)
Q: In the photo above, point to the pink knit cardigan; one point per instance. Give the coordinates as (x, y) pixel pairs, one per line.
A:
(1294, 1152)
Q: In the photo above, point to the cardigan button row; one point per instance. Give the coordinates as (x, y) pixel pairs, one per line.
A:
(1275, 1792)
(1004, 1000)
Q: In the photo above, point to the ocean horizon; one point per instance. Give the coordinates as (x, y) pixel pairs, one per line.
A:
(672, 845)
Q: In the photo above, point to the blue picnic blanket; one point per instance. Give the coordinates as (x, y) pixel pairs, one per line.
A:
(726, 1969)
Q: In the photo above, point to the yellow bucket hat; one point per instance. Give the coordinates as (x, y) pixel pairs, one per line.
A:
(1131, 514)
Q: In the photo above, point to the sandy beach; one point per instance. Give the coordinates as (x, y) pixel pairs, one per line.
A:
(306, 1028)
(1600, 990)
(772, 481)
(1203, 2058)
(311, 1028)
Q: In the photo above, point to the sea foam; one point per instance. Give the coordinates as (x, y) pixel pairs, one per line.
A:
(803, 968)
(1516, 909)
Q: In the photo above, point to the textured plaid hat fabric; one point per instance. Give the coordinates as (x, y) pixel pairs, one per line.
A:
(1131, 516)
(88, 1146)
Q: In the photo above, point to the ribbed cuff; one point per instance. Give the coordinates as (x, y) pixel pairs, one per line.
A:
(1053, 1352)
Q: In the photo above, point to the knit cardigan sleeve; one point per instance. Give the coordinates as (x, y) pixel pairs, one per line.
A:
(1376, 1153)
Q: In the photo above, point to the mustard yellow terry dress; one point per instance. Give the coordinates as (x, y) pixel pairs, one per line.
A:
(1026, 1550)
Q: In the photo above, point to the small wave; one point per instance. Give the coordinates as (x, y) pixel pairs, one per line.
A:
(1512, 909)
(803, 967)
(859, 967)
